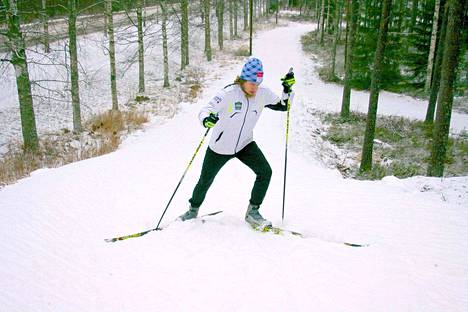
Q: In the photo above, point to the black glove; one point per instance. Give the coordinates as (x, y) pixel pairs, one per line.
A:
(210, 121)
(288, 81)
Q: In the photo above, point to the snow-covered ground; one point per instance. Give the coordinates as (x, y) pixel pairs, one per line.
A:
(53, 224)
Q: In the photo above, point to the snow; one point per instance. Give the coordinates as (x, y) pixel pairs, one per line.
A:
(53, 224)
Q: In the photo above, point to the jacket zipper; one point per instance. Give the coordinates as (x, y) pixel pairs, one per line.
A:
(243, 123)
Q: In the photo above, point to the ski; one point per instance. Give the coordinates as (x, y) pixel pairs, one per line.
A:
(280, 231)
(115, 239)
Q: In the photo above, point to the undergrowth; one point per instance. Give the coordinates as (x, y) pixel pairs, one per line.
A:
(401, 146)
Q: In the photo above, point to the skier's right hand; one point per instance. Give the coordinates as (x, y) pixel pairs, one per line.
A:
(210, 121)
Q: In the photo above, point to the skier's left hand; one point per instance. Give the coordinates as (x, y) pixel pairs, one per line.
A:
(288, 81)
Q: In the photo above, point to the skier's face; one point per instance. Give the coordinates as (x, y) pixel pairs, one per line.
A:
(250, 88)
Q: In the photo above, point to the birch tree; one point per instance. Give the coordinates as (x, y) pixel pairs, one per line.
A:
(141, 48)
(366, 161)
(19, 61)
(45, 26)
(113, 72)
(430, 60)
(163, 5)
(220, 19)
(434, 91)
(74, 75)
(206, 14)
(184, 35)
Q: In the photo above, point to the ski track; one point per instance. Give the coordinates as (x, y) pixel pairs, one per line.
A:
(53, 224)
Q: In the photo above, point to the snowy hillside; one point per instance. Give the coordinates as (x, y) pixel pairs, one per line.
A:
(53, 224)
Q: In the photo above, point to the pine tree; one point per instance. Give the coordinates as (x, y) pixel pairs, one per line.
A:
(366, 161)
(448, 75)
(351, 20)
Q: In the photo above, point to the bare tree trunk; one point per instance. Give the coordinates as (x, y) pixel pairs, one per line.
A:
(431, 106)
(185, 35)
(163, 5)
(351, 20)
(448, 75)
(231, 19)
(246, 15)
(366, 161)
(277, 11)
(220, 18)
(430, 60)
(113, 72)
(23, 83)
(236, 17)
(141, 48)
(337, 36)
(45, 26)
(74, 76)
(206, 5)
(322, 21)
(251, 26)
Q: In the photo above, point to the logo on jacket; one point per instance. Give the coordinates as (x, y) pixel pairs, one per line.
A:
(238, 106)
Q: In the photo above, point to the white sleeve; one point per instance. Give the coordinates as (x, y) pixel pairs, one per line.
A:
(214, 106)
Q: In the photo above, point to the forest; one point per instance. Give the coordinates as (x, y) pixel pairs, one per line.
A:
(415, 47)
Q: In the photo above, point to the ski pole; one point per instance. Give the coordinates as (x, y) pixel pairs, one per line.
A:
(183, 176)
(286, 148)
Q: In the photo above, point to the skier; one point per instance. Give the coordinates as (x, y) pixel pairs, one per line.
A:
(232, 114)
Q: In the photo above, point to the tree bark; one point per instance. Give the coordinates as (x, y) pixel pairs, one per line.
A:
(23, 83)
(251, 27)
(246, 15)
(163, 5)
(231, 20)
(322, 21)
(337, 36)
(430, 59)
(113, 72)
(206, 6)
(45, 26)
(220, 18)
(141, 48)
(236, 17)
(366, 161)
(74, 75)
(448, 75)
(185, 35)
(351, 19)
(431, 106)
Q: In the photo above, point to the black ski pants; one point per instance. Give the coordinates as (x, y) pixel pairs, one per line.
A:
(251, 155)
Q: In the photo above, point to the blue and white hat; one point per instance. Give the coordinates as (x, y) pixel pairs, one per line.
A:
(253, 71)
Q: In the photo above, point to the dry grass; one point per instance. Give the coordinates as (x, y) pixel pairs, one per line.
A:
(102, 135)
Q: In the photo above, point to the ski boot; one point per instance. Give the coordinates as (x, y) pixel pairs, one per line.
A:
(192, 213)
(255, 219)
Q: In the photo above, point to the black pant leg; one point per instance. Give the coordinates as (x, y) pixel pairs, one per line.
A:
(212, 163)
(252, 156)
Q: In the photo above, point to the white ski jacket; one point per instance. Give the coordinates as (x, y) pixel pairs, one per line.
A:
(238, 115)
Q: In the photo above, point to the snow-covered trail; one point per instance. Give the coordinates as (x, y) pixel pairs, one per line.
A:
(53, 224)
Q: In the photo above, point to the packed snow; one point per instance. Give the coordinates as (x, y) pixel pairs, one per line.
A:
(53, 224)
